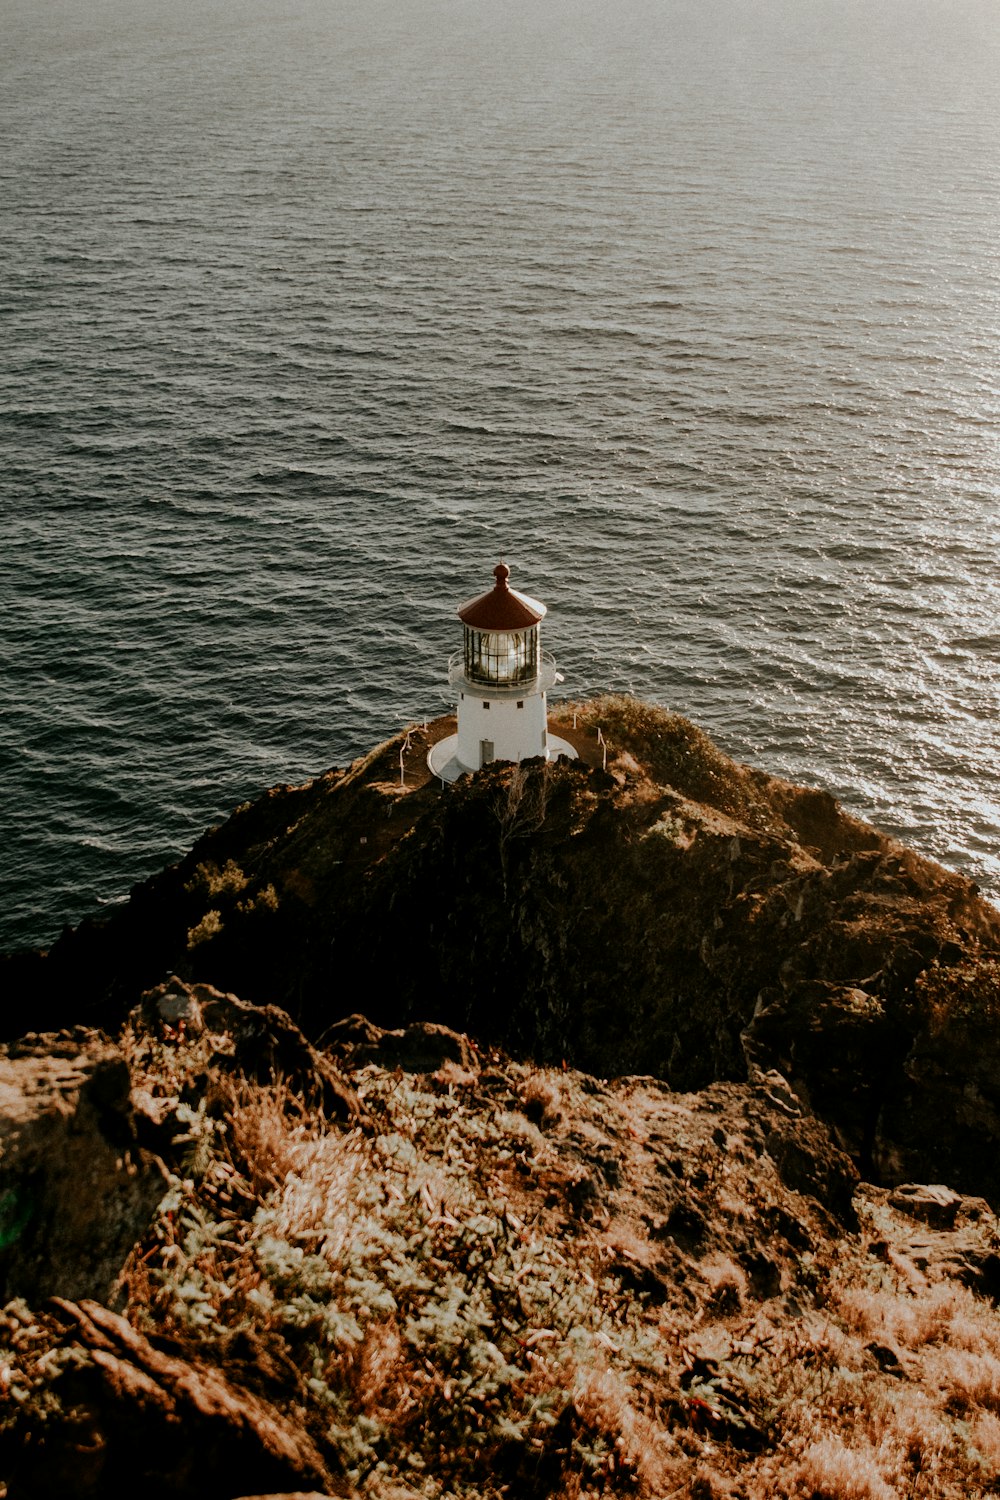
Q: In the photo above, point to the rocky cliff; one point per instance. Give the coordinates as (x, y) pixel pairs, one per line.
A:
(670, 912)
(407, 1267)
(566, 1132)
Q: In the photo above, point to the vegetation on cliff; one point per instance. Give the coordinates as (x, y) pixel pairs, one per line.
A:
(573, 1209)
(488, 1278)
(670, 912)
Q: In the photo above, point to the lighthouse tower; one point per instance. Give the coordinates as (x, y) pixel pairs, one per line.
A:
(501, 676)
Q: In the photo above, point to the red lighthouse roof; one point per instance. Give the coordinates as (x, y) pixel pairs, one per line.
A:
(502, 608)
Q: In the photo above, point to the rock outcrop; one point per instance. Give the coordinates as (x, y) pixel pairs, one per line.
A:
(76, 1188)
(503, 1279)
(673, 913)
(222, 1036)
(625, 1127)
(125, 1417)
(95, 1133)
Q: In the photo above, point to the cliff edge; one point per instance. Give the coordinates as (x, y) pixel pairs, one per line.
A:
(653, 907)
(581, 1130)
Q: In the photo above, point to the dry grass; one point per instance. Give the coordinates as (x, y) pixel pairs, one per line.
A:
(432, 1329)
(541, 1097)
(928, 1428)
(673, 751)
(446, 1342)
(937, 1313)
(830, 1470)
(209, 927)
(209, 880)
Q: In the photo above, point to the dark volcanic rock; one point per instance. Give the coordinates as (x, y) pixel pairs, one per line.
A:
(809, 1163)
(257, 1042)
(75, 1189)
(128, 1418)
(940, 1111)
(934, 1203)
(676, 914)
(420, 1048)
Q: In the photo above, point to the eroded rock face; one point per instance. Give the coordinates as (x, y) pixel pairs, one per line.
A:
(420, 1048)
(75, 1189)
(452, 1255)
(940, 1114)
(213, 1033)
(604, 1284)
(85, 1158)
(674, 914)
(941, 1234)
(933, 1203)
(128, 1418)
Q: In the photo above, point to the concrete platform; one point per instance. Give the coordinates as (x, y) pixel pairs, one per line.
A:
(442, 758)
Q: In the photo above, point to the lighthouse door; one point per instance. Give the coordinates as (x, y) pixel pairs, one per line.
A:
(485, 752)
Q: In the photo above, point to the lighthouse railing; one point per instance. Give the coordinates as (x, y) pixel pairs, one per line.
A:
(546, 677)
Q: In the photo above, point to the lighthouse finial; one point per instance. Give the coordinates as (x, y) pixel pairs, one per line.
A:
(501, 573)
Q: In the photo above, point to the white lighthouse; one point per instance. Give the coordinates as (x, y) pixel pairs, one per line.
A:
(501, 676)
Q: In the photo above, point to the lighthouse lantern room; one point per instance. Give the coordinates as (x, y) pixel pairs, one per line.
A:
(501, 676)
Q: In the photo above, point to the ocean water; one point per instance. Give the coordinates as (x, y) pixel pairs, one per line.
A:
(689, 308)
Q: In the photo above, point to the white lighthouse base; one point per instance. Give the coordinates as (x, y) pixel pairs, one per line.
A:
(443, 760)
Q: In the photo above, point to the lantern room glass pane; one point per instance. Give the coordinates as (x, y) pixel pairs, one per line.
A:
(502, 656)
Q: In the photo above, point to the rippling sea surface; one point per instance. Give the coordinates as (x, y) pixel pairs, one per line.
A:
(690, 308)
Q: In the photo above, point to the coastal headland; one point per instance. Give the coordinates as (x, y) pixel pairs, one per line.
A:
(582, 1128)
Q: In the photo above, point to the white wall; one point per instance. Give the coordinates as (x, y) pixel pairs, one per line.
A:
(517, 733)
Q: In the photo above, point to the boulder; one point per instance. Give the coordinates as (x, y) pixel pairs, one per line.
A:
(934, 1204)
(76, 1191)
(127, 1418)
(260, 1042)
(940, 1114)
(421, 1048)
(809, 1162)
